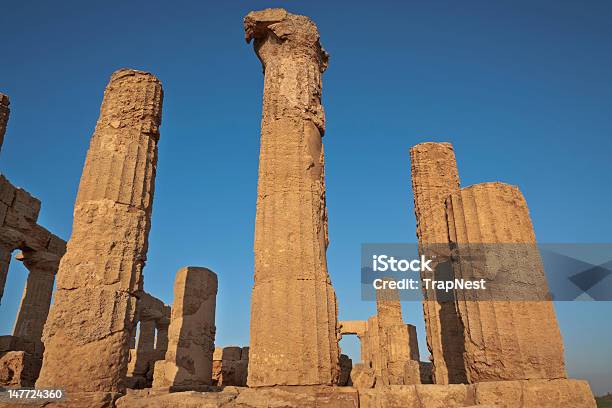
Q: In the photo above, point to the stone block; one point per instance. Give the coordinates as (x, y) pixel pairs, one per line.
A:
(232, 353)
(19, 369)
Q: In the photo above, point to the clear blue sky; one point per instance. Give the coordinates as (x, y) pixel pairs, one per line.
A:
(521, 88)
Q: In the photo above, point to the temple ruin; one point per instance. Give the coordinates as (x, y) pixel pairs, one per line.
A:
(107, 342)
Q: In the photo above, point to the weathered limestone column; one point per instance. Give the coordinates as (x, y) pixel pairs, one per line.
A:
(4, 116)
(509, 333)
(434, 178)
(36, 299)
(294, 339)
(191, 336)
(87, 334)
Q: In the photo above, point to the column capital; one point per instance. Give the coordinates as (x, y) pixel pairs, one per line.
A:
(39, 261)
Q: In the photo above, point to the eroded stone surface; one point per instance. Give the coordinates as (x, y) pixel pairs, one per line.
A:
(18, 369)
(511, 339)
(94, 306)
(191, 335)
(293, 310)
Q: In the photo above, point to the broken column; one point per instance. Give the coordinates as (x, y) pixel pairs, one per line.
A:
(399, 363)
(191, 335)
(294, 338)
(510, 329)
(87, 334)
(4, 116)
(434, 178)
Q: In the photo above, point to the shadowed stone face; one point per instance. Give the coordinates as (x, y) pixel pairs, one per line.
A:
(293, 314)
(87, 334)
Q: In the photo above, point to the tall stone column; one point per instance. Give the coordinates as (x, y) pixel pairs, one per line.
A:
(87, 334)
(434, 178)
(191, 335)
(4, 116)
(294, 338)
(36, 299)
(510, 329)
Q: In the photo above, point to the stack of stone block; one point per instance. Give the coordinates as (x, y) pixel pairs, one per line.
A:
(230, 366)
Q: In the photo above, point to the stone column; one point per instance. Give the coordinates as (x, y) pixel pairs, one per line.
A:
(294, 338)
(161, 341)
(36, 299)
(145, 348)
(191, 335)
(87, 335)
(5, 261)
(4, 116)
(510, 330)
(434, 178)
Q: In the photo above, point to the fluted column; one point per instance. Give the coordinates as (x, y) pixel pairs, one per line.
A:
(36, 299)
(434, 178)
(294, 338)
(510, 329)
(87, 335)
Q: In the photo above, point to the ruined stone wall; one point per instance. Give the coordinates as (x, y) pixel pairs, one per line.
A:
(95, 302)
(513, 337)
(293, 310)
(434, 178)
(230, 366)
